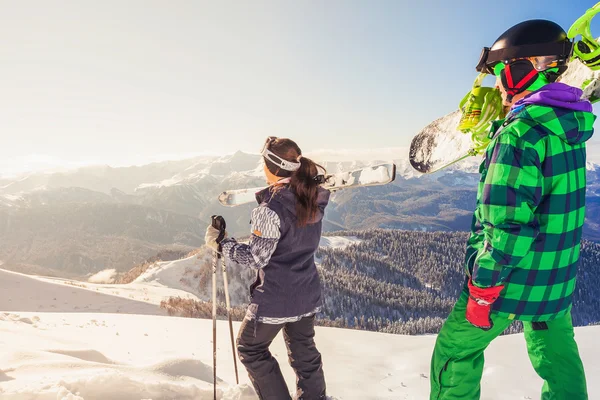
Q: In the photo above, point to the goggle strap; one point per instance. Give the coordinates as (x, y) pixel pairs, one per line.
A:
(509, 78)
(563, 49)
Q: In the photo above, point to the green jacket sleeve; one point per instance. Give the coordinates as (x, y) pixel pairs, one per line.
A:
(509, 193)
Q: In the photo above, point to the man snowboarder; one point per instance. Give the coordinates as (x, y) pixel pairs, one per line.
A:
(522, 254)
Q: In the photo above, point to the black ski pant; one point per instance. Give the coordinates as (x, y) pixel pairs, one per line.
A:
(253, 344)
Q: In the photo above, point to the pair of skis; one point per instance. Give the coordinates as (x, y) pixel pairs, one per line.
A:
(376, 175)
(219, 223)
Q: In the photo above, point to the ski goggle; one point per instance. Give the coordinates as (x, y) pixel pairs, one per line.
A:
(275, 159)
(490, 58)
(541, 79)
(541, 63)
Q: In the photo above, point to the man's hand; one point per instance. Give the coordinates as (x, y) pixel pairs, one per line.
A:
(479, 305)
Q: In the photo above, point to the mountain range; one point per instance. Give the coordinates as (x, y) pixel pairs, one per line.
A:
(78, 222)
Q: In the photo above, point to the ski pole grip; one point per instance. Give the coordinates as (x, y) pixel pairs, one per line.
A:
(218, 222)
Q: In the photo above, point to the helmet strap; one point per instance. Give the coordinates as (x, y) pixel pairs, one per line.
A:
(517, 76)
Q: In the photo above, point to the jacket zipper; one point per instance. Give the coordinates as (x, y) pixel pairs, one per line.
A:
(444, 368)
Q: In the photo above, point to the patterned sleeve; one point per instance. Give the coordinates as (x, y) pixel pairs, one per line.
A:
(511, 192)
(263, 241)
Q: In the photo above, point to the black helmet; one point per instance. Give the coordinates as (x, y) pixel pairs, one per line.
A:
(534, 38)
(527, 50)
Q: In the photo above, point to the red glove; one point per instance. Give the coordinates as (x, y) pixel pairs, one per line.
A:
(479, 305)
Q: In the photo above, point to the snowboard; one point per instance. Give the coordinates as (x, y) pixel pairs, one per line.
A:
(440, 144)
(376, 175)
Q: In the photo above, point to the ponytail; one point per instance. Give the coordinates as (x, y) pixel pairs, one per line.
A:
(304, 182)
(305, 185)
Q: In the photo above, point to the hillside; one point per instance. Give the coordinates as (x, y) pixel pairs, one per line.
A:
(406, 282)
(76, 239)
(402, 282)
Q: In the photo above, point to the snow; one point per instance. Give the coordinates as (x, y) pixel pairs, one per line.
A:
(36, 293)
(96, 345)
(228, 167)
(338, 242)
(101, 356)
(109, 356)
(9, 200)
(12, 197)
(105, 276)
(179, 275)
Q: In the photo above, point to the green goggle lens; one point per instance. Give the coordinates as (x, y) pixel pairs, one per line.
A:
(498, 68)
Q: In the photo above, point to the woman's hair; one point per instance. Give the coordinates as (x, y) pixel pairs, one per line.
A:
(304, 182)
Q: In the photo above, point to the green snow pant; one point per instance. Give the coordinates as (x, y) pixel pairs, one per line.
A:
(457, 362)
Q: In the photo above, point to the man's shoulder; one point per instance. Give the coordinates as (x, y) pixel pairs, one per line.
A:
(524, 127)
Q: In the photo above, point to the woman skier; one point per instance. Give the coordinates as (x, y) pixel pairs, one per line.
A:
(523, 252)
(285, 234)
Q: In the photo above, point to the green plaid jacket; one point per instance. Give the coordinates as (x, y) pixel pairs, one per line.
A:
(527, 226)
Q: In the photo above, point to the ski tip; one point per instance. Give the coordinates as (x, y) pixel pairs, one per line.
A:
(224, 199)
(420, 151)
(422, 167)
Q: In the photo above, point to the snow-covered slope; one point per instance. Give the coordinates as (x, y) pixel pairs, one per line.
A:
(38, 294)
(186, 278)
(110, 356)
(118, 357)
(191, 275)
(60, 341)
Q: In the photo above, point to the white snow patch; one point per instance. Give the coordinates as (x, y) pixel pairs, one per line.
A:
(12, 197)
(172, 274)
(184, 276)
(66, 295)
(338, 242)
(105, 276)
(109, 356)
(175, 180)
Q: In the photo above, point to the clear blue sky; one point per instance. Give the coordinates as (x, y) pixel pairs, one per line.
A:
(125, 81)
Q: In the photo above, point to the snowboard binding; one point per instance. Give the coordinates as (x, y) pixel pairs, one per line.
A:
(479, 108)
(588, 48)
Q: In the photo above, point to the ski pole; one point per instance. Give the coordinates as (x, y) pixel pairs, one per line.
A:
(219, 223)
(214, 316)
